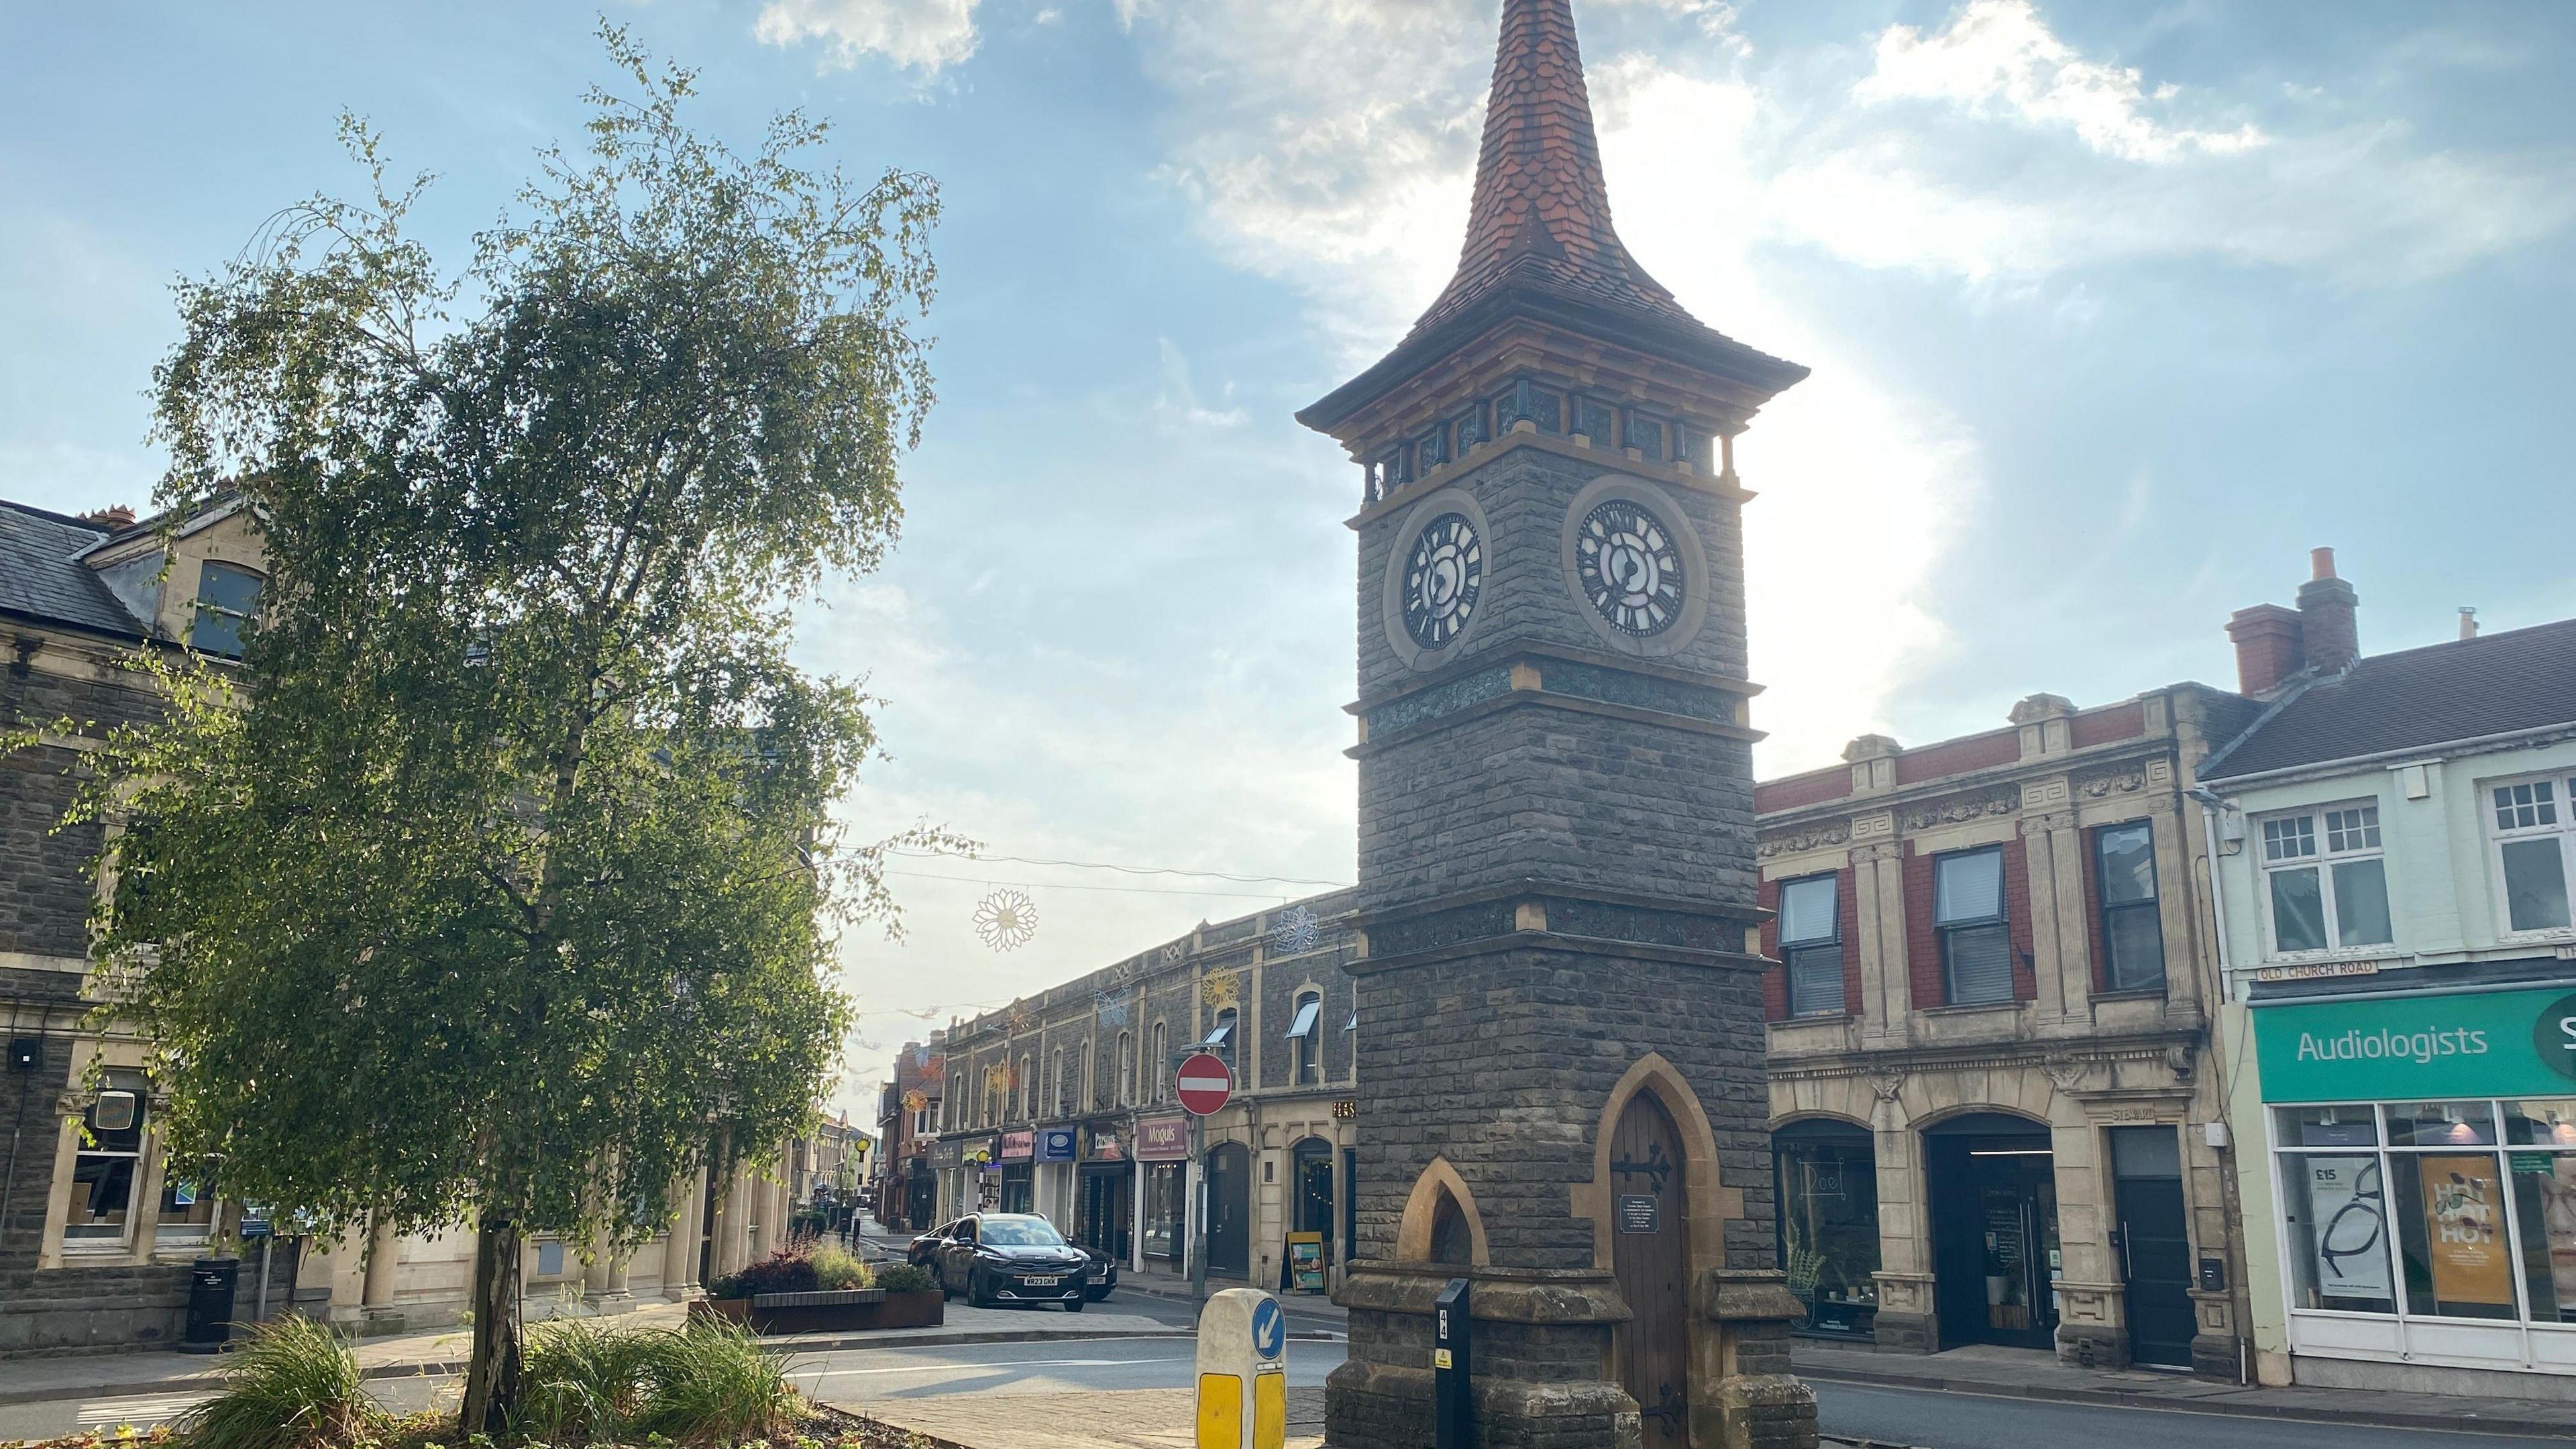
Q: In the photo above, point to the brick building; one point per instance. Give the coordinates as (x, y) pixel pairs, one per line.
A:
(907, 1125)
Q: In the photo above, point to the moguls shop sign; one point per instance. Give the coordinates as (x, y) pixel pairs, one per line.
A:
(2478, 1044)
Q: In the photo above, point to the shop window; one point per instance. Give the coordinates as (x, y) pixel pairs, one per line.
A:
(2335, 1202)
(1302, 1037)
(187, 1208)
(2534, 859)
(1968, 915)
(226, 598)
(2133, 935)
(2326, 880)
(1811, 945)
(109, 1160)
(1828, 1224)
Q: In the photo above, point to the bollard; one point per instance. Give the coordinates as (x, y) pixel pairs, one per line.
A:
(1452, 1408)
(1243, 1372)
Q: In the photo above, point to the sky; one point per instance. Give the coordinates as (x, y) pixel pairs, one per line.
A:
(2114, 311)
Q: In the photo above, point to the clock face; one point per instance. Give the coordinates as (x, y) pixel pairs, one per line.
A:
(1442, 579)
(1630, 568)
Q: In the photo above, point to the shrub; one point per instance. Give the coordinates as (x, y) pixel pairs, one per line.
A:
(905, 1278)
(583, 1382)
(712, 1383)
(291, 1385)
(837, 1267)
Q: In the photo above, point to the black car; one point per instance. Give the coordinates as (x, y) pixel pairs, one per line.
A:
(1100, 1275)
(924, 1250)
(996, 1258)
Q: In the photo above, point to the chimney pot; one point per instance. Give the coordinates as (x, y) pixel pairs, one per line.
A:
(2321, 563)
(2330, 634)
(119, 516)
(2468, 622)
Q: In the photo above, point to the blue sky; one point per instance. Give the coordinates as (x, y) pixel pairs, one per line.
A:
(2115, 310)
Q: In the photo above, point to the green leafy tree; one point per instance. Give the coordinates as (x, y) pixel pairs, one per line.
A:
(506, 892)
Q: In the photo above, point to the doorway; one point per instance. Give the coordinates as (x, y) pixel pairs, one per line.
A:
(1992, 1191)
(1229, 1230)
(1101, 1216)
(1650, 1256)
(2152, 1237)
(1310, 1189)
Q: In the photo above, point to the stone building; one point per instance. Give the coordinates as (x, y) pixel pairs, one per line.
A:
(1991, 1065)
(98, 1225)
(1064, 1104)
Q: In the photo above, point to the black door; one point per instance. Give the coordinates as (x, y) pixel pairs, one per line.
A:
(1994, 1231)
(2153, 1240)
(1229, 1232)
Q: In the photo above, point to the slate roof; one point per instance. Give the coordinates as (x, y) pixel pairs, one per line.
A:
(2521, 679)
(40, 580)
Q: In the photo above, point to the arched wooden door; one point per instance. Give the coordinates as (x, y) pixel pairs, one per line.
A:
(1649, 1207)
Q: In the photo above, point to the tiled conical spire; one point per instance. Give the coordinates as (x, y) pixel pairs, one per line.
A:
(1542, 212)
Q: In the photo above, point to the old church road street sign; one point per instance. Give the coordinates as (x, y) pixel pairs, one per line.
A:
(1206, 1084)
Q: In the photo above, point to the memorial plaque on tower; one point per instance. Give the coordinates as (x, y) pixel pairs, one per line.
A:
(1560, 1023)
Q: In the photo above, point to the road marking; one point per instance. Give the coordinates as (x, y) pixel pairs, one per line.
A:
(139, 1411)
(935, 1368)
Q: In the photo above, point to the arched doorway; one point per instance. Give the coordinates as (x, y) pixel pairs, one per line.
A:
(1650, 1255)
(1991, 1188)
(1229, 1230)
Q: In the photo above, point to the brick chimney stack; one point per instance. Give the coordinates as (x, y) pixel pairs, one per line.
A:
(2329, 634)
(2269, 647)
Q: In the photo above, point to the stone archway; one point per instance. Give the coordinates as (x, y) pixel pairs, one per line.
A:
(1440, 1218)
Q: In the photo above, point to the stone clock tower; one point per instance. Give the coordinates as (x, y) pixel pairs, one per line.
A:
(1560, 1024)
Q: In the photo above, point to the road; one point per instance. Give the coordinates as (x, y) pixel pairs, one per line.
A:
(1927, 1419)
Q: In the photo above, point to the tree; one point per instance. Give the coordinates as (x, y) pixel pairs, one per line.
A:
(506, 891)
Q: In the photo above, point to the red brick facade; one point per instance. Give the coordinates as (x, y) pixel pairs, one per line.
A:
(1923, 939)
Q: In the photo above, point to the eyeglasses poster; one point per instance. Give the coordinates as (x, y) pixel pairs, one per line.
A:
(2352, 1253)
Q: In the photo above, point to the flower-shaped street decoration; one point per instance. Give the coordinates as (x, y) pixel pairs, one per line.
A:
(1219, 992)
(1296, 930)
(1006, 919)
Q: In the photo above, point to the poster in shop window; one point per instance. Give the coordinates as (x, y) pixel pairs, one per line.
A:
(2465, 1231)
(2351, 1236)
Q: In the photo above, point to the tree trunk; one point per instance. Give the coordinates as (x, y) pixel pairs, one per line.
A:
(492, 1374)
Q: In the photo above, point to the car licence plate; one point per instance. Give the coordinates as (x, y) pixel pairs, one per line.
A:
(1039, 1282)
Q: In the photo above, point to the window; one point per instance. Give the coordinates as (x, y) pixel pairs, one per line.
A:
(2323, 899)
(1303, 1037)
(1028, 1080)
(1160, 1063)
(1060, 1087)
(1811, 943)
(2133, 936)
(226, 597)
(1220, 1038)
(109, 1159)
(921, 1123)
(1968, 915)
(1126, 1069)
(2533, 856)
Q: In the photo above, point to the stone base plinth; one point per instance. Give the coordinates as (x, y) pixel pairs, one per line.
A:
(1772, 1411)
(1382, 1406)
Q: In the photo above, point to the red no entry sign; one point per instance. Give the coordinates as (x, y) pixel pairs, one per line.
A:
(1206, 1084)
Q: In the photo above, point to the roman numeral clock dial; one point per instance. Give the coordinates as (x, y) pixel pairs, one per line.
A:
(1442, 579)
(1629, 568)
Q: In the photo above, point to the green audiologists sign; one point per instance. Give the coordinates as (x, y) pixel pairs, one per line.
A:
(2474, 1044)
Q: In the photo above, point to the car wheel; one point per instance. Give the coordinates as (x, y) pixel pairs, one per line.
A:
(1073, 1305)
(975, 1296)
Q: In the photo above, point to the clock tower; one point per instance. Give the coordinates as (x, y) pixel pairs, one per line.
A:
(1560, 1029)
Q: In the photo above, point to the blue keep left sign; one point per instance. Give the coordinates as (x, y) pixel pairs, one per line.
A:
(1269, 1328)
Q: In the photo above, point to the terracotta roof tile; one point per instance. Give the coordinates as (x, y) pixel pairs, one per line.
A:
(1542, 211)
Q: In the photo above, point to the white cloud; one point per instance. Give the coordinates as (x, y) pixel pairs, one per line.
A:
(923, 35)
(2001, 51)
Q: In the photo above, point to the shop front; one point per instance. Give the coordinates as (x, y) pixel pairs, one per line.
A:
(1104, 1214)
(1055, 1185)
(1828, 1223)
(2423, 1151)
(1019, 1183)
(1991, 1182)
(1162, 1153)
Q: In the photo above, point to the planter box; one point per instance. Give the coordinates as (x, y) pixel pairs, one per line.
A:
(842, 1310)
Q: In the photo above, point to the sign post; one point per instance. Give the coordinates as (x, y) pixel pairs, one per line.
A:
(1206, 1084)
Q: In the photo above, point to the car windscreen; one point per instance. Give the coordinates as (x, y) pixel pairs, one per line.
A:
(1026, 1233)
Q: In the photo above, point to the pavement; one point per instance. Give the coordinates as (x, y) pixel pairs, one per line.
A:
(2039, 1375)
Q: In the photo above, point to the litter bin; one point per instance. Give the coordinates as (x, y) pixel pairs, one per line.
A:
(212, 1283)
